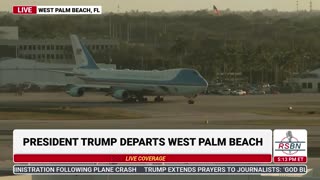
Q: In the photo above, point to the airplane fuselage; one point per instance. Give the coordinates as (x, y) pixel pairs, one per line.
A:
(185, 82)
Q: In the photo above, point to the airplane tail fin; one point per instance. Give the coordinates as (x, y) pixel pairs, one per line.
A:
(81, 54)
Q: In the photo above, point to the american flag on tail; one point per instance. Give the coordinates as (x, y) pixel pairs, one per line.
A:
(216, 10)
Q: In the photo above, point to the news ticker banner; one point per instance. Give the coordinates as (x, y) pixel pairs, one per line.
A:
(160, 146)
(56, 10)
(157, 170)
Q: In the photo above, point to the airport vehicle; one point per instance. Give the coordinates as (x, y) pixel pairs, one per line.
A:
(224, 91)
(132, 85)
(239, 92)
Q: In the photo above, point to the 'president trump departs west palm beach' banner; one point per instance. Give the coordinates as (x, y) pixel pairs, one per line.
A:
(142, 146)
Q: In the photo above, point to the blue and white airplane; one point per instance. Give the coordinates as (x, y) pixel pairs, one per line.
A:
(132, 85)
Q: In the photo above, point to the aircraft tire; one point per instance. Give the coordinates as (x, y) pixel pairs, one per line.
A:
(142, 100)
(158, 99)
(190, 101)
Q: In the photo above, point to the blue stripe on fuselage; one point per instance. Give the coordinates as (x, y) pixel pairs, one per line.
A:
(186, 77)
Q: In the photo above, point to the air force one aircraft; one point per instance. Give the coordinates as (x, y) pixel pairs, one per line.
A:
(132, 85)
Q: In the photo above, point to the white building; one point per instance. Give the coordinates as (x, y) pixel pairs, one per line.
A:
(19, 71)
(307, 82)
(47, 50)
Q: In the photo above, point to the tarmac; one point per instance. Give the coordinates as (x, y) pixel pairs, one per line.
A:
(208, 112)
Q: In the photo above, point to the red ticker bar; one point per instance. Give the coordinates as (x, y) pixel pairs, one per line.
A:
(290, 159)
(142, 158)
(24, 9)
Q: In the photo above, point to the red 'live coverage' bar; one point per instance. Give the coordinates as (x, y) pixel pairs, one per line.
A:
(142, 158)
(24, 9)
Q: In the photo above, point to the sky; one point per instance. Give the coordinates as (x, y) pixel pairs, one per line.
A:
(171, 5)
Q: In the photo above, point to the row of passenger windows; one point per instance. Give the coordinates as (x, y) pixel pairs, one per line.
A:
(60, 47)
(307, 85)
(43, 47)
(47, 56)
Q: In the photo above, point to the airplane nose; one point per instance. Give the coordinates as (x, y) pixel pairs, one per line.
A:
(204, 83)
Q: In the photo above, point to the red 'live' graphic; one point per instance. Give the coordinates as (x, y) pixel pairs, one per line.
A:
(24, 9)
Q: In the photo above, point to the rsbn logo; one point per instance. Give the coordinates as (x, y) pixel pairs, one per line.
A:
(290, 145)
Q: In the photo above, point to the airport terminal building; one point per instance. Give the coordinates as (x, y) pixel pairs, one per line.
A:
(32, 60)
(46, 50)
(309, 82)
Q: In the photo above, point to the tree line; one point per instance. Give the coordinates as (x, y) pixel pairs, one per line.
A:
(264, 47)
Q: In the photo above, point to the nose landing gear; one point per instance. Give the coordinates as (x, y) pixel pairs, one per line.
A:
(191, 98)
(190, 101)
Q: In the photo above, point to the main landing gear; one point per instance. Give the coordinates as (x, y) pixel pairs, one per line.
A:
(142, 99)
(130, 100)
(158, 99)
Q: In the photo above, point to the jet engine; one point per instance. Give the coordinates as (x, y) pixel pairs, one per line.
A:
(120, 94)
(76, 91)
